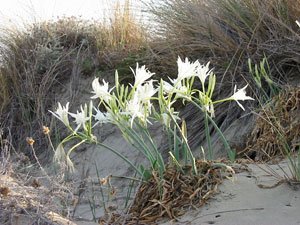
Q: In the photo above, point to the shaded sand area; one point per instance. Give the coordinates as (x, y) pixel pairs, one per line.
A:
(252, 197)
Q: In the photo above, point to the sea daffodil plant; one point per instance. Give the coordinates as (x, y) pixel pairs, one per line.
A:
(132, 108)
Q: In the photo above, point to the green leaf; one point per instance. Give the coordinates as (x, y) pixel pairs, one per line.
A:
(184, 129)
(146, 173)
(175, 161)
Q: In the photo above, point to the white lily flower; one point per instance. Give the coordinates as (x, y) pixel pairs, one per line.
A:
(146, 91)
(240, 95)
(176, 87)
(186, 69)
(141, 74)
(101, 117)
(62, 113)
(202, 71)
(80, 117)
(100, 91)
(135, 109)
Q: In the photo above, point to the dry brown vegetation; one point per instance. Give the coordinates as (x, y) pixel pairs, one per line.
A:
(37, 63)
(174, 195)
(40, 61)
(227, 33)
(276, 130)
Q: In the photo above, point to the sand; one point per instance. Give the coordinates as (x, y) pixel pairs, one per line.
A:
(252, 197)
(247, 199)
(244, 202)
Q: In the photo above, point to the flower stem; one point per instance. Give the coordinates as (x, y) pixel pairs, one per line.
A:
(207, 134)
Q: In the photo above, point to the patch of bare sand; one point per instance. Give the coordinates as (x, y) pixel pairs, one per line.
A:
(245, 202)
(242, 201)
(95, 163)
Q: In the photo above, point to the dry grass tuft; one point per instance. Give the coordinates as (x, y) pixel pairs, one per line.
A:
(45, 61)
(123, 31)
(174, 195)
(277, 127)
(227, 33)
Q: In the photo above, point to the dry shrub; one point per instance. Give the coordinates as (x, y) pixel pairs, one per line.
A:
(36, 63)
(277, 128)
(46, 60)
(227, 33)
(173, 195)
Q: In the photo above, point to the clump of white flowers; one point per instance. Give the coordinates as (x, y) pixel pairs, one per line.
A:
(133, 107)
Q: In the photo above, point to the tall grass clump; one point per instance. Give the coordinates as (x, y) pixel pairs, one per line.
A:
(276, 132)
(44, 61)
(123, 30)
(228, 33)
